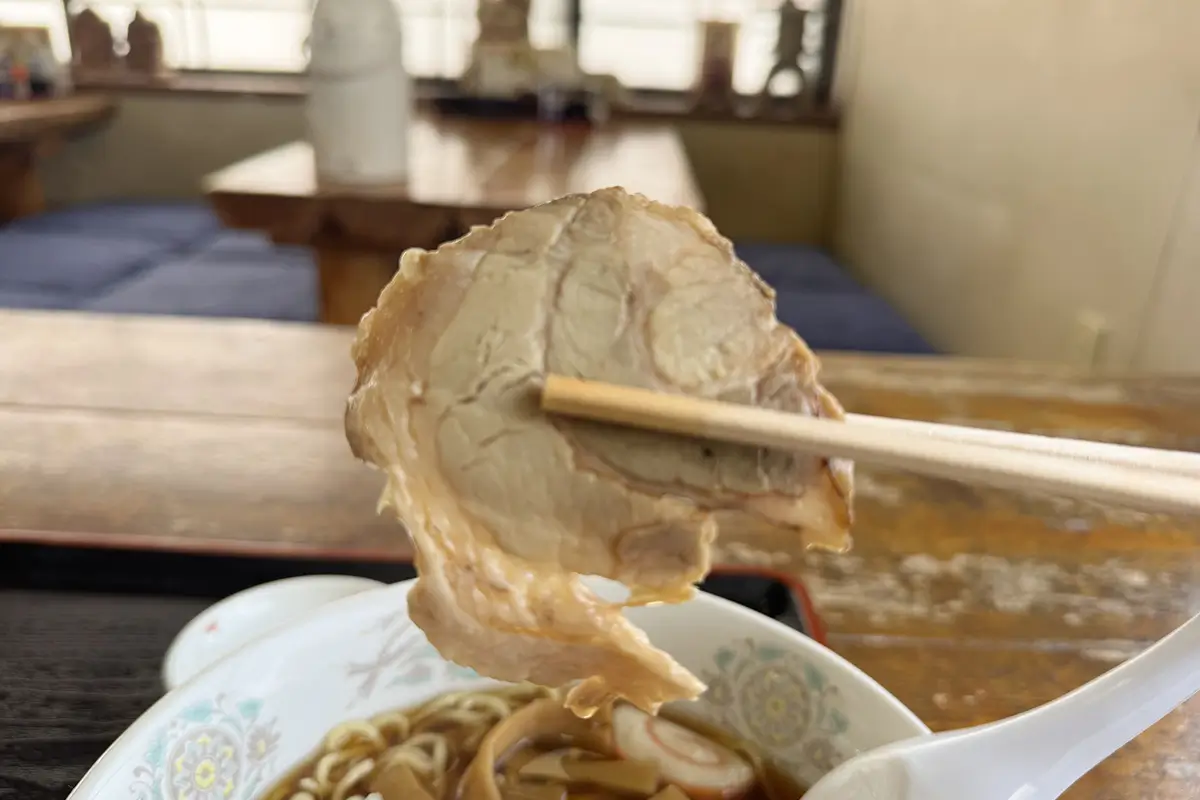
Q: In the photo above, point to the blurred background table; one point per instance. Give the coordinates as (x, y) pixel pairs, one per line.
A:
(464, 172)
(970, 604)
(28, 128)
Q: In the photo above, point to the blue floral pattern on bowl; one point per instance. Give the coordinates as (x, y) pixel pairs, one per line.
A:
(217, 749)
(777, 699)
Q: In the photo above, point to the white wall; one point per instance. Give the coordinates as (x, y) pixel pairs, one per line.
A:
(1007, 164)
(160, 145)
(1170, 340)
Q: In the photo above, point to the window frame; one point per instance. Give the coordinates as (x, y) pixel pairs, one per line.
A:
(652, 103)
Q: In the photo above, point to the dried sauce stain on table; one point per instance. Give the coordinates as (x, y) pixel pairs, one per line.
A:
(970, 604)
(973, 604)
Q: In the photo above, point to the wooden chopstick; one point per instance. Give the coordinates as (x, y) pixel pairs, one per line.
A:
(1124, 480)
(1176, 461)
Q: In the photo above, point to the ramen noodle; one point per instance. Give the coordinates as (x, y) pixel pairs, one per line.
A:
(520, 743)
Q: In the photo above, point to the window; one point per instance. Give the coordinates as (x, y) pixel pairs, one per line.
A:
(647, 44)
(656, 44)
(40, 13)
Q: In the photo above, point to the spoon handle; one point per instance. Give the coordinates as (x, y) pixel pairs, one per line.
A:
(1037, 755)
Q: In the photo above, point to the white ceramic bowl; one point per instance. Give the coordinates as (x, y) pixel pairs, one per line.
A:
(247, 616)
(233, 730)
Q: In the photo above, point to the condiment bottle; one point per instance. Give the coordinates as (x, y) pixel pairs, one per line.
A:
(359, 97)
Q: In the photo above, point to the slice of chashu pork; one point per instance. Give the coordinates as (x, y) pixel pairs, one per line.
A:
(506, 507)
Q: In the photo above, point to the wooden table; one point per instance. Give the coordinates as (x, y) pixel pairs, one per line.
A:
(464, 173)
(969, 604)
(28, 129)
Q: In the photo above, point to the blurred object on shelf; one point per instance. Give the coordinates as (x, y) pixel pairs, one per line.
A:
(503, 22)
(93, 49)
(508, 76)
(789, 49)
(145, 54)
(359, 96)
(28, 68)
(714, 86)
(100, 58)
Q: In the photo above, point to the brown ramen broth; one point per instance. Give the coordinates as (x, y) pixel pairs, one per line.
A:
(519, 743)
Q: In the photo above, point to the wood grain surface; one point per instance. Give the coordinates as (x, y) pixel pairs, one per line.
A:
(969, 604)
(464, 172)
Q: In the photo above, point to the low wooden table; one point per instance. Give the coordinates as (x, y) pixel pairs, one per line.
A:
(29, 128)
(969, 604)
(464, 172)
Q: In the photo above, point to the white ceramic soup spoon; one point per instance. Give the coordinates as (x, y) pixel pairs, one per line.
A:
(1036, 755)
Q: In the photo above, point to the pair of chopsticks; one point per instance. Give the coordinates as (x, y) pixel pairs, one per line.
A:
(1159, 480)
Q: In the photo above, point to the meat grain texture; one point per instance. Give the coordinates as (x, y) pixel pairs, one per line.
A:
(506, 506)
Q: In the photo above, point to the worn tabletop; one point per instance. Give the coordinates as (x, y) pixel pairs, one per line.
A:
(969, 604)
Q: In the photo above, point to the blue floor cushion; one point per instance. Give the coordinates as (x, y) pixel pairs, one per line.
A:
(74, 264)
(789, 266)
(849, 321)
(236, 247)
(17, 298)
(176, 258)
(189, 287)
(178, 224)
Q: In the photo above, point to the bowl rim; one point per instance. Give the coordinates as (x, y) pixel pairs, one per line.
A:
(105, 768)
(169, 673)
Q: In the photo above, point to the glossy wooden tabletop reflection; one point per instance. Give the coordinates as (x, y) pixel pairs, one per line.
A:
(491, 165)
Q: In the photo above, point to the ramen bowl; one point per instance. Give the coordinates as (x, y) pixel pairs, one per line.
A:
(237, 728)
